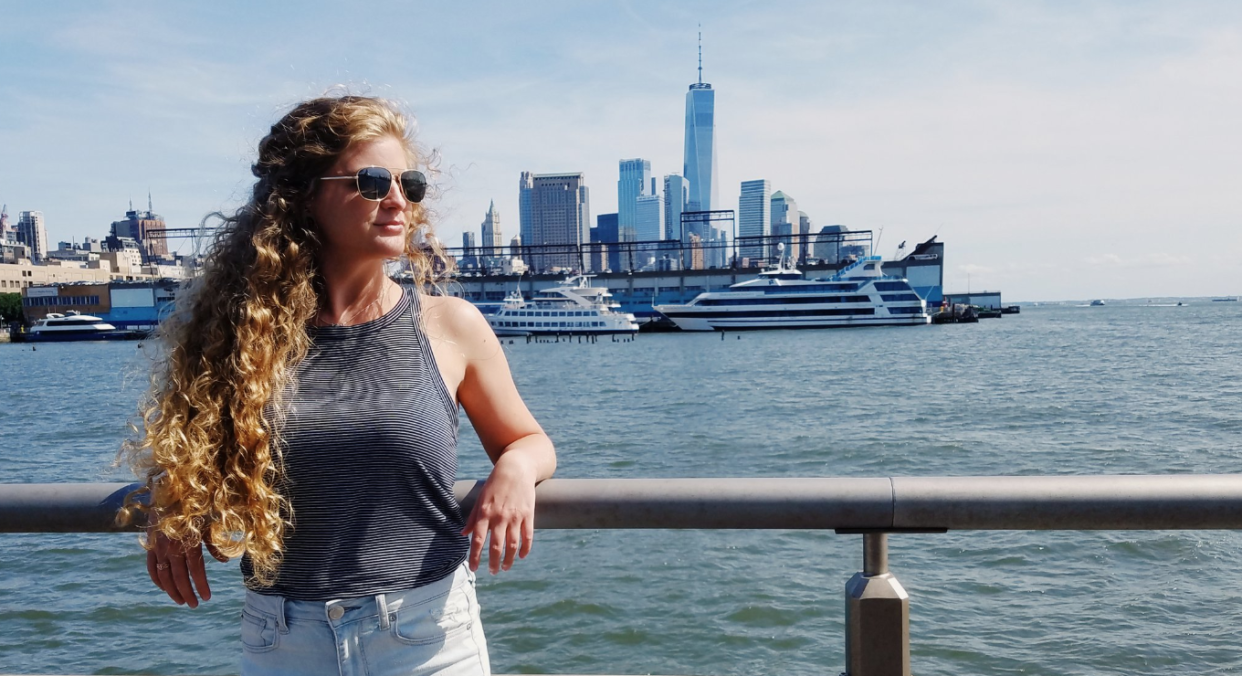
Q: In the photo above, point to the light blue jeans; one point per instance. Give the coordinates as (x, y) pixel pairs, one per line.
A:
(432, 629)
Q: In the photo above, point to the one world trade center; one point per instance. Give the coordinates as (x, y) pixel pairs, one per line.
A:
(700, 159)
(700, 166)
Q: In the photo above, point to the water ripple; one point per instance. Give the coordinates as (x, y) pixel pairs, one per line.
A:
(1056, 390)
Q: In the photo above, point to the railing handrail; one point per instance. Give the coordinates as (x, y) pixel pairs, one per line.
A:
(894, 504)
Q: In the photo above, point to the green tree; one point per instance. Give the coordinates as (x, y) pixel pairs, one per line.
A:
(10, 307)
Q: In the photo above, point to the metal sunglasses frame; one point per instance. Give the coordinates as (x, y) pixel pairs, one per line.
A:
(356, 177)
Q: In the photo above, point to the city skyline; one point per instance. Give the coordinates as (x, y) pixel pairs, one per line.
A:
(1052, 148)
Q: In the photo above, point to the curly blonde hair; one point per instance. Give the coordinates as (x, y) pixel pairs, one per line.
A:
(208, 441)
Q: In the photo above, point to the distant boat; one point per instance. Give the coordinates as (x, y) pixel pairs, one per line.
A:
(859, 295)
(1097, 303)
(74, 326)
(573, 307)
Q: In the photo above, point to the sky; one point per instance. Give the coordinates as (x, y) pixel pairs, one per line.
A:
(1061, 150)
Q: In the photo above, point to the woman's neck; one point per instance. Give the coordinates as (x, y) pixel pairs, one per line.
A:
(356, 296)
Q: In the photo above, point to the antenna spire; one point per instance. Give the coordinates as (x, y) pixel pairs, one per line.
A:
(150, 208)
(700, 53)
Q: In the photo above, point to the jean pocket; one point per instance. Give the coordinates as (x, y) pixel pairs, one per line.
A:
(433, 621)
(258, 632)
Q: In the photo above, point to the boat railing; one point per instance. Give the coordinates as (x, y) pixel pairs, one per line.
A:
(877, 608)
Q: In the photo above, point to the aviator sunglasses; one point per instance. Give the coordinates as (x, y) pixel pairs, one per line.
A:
(374, 183)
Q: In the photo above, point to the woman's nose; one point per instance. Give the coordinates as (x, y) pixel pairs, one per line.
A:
(395, 199)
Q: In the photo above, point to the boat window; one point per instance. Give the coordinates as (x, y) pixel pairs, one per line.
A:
(899, 297)
(892, 286)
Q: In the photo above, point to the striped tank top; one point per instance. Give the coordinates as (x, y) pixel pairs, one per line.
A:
(370, 457)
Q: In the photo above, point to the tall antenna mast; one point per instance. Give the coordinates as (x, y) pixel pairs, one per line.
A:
(700, 53)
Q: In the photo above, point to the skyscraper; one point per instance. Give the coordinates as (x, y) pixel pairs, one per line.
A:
(6, 236)
(604, 232)
(526, 187)
(785, 223)
(559, 221)
(32, 232)
(469, 252)
(632, 184)
(492, 243)
(648, 214)
(804, 236)
(700, 156)
(754, 217)
(676, 194)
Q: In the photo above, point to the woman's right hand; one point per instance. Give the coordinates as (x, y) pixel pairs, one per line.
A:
(179, 570)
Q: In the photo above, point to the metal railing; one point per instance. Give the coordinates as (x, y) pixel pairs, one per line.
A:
(877, 608)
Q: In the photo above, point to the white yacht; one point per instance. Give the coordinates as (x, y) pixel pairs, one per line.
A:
(858, 295)
(56, 327)
(572, 307)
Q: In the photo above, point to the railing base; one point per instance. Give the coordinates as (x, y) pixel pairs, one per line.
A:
(877, 626)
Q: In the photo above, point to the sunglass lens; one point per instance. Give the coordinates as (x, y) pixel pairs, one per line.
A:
(374, 182)
(414, 185)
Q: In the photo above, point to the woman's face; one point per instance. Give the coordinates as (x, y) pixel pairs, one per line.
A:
(356, 230)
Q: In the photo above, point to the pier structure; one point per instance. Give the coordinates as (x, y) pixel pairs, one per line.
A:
(877, 608)
(640, 287)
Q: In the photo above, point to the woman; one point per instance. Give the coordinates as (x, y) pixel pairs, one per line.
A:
(306, 416)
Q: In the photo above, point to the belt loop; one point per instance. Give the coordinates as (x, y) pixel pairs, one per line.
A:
(280, 615)
(381, 603)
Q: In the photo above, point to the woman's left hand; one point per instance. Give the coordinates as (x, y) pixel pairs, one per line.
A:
(506, 510)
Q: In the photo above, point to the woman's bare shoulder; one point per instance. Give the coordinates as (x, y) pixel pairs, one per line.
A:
(456, 319)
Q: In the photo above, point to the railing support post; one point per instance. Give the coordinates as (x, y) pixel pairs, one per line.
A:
(877, 616)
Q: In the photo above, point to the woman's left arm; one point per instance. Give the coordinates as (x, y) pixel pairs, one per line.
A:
(521, 453)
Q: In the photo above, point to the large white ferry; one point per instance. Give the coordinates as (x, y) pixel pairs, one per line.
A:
(572, 307)
(859, 295)
(56, 327)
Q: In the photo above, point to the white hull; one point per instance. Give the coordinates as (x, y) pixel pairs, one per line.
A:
(691, 323)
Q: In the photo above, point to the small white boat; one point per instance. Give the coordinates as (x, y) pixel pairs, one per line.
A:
(573, 307)
(1096, 303)
(56, 327)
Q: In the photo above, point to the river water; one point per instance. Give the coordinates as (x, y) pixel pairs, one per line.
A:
(1126, 388)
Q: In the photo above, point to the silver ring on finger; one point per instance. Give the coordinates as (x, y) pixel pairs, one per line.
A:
(161, 566)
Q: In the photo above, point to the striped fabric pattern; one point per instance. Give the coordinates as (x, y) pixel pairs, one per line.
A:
(369, 463)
